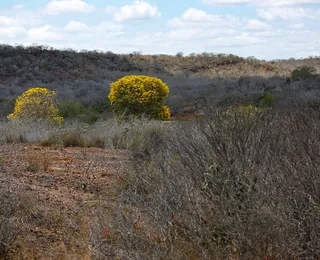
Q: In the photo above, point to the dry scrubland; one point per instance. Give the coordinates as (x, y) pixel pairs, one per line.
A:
(226, 186)
(231, 183)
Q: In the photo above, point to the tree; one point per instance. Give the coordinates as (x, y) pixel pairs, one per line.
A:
(37, 104)
(137, 95)
(303, 72)
(71, 109)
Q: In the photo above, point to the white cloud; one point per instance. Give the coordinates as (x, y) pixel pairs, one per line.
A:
(227, 2)
(197, 18)
(257, 25)
(267, 3)
(285, 13)
(108, 27)
(194, 18)
(276, 3)
(10, 28)
(67, 6)
(29, 18)
(214, 31)
(18, 6)
(44, 33)
(297, 26)
(74, 26)
(194, 30)
(8, 21)
(139, 10)
(196, 15)
(14, 32)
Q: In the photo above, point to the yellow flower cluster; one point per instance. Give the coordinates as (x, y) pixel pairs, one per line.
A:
(140, 94)
(38, 104)
(165, 113)
(248, 110)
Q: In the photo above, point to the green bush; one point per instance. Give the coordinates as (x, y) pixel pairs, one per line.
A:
(101, 105)
(70, 109)
(303, 72)
(266, 100)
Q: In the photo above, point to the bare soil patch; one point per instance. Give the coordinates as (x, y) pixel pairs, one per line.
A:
(58, 188)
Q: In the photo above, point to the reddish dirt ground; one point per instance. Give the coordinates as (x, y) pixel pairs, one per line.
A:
(59, 186)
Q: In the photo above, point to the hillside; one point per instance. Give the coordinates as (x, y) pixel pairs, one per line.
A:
(85, 76)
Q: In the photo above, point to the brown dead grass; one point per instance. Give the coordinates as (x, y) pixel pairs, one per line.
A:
(57, 196)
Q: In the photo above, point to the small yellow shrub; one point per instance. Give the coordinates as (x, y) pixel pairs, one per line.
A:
(243, 110)
(37, 104)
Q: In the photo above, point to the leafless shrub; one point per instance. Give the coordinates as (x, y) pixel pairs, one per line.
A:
(24, 131)
(246, 188)
(10, 204)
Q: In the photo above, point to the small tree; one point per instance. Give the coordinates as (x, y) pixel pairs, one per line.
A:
(37, 104)
(303, 72)
(137, 95)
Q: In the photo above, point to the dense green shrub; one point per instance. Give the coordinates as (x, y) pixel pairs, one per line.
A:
(266, 100)
(70, 109)
(303, 72)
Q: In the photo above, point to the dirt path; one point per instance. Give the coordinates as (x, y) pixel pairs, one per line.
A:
(60, 191)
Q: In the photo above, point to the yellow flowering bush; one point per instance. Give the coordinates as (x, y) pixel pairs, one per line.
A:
(37, 104)
(243, 110)
(242, 118)
(137, 95)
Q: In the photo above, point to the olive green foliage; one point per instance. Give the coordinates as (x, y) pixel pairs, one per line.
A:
(71, 109)
(138, 95)
(303, 72)
(101, 105)
(266, 100)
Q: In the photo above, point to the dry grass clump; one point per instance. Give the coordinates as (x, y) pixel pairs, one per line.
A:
(24, 131)
(37, 160)
(246, 188)
(72, 139)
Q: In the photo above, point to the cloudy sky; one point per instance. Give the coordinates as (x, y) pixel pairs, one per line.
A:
(267, 29)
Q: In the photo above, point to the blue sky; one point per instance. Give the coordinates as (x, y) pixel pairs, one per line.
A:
(267, 29)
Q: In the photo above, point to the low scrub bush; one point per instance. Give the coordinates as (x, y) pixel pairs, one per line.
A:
(73, 139)
(10, 206)
(214, 190)
(24, 131)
